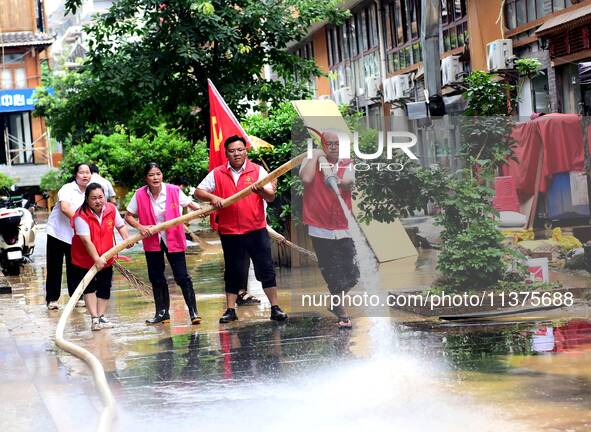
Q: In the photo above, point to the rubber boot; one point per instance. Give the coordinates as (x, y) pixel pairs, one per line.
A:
(161, 315)
(189, 296)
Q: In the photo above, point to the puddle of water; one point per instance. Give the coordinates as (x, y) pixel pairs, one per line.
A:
(256, 375)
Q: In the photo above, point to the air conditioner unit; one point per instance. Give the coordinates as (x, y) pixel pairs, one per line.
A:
(499, 54)
(401, 85)
(372, 87)
(346, 95)
(451, 68)
(388, 87)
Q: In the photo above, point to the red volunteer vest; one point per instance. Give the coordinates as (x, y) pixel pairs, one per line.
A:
(246, 215)
(321, 206)
(101, 235)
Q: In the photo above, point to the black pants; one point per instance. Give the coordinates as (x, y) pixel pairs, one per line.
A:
(238, 249)
(337, 262)
(100, 284)
(56, 251)
(178, 264)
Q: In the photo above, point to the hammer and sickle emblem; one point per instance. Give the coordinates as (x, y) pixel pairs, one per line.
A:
(217, 133)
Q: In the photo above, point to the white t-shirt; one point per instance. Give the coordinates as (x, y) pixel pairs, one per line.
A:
(158, 205)
(208, 183)
(106, 185)
(83, 229)
(58, 224)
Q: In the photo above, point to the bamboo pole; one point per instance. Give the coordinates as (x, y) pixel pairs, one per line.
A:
(108, 414)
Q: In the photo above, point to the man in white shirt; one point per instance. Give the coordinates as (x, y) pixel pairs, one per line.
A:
(105, 184)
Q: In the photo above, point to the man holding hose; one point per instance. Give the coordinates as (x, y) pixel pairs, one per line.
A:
(242, 225)
(327, 223)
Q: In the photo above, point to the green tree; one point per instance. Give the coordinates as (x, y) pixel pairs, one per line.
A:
(275, 127)
(121, 157)
(149, 60)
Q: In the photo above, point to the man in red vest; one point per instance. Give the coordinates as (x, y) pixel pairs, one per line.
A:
(327, 223)
(242, 226)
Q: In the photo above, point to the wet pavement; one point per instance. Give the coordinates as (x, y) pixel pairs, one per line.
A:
(397, 371)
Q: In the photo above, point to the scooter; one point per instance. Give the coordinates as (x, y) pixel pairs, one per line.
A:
(17, 234)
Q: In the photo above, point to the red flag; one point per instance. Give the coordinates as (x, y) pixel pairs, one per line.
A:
(223, 124)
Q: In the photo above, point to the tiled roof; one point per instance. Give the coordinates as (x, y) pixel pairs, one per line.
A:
(24, 38)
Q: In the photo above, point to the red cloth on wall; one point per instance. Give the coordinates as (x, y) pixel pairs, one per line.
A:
(559, 136)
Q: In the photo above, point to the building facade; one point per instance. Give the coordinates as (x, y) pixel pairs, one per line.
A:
(381, 40)
(373, 61)
(25, 153)
(557, 32)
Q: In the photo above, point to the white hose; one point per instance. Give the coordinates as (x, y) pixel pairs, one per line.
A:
(108, 414)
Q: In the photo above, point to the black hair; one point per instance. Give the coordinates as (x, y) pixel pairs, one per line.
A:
(149, 166)
(93, 169)
(232, 139)
(90, 188)
(76, 168)
(181, 180)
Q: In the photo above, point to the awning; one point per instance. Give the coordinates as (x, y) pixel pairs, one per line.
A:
(566, 21)
(24, 38)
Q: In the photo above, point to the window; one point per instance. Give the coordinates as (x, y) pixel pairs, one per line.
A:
(531, 10)
(444, 13)
(344, 39)
(459, 5)
(520, 12)
(6, 76)
(329, 47)
(400, 22)
(20, 78)
(353, 33)
(12, 72)
(539, 88)
(372, 26)
(557, 5)
(510, 16)
(520, 9)
(539, 8)
(363, 31)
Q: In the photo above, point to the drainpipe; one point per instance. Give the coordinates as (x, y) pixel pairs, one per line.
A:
(430, 23)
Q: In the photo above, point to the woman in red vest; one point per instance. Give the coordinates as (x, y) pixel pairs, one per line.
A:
(152, 204)
(94, 223)
(327, 223)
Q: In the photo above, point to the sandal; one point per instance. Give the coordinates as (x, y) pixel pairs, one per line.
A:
(245, 299)
(344, 322)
